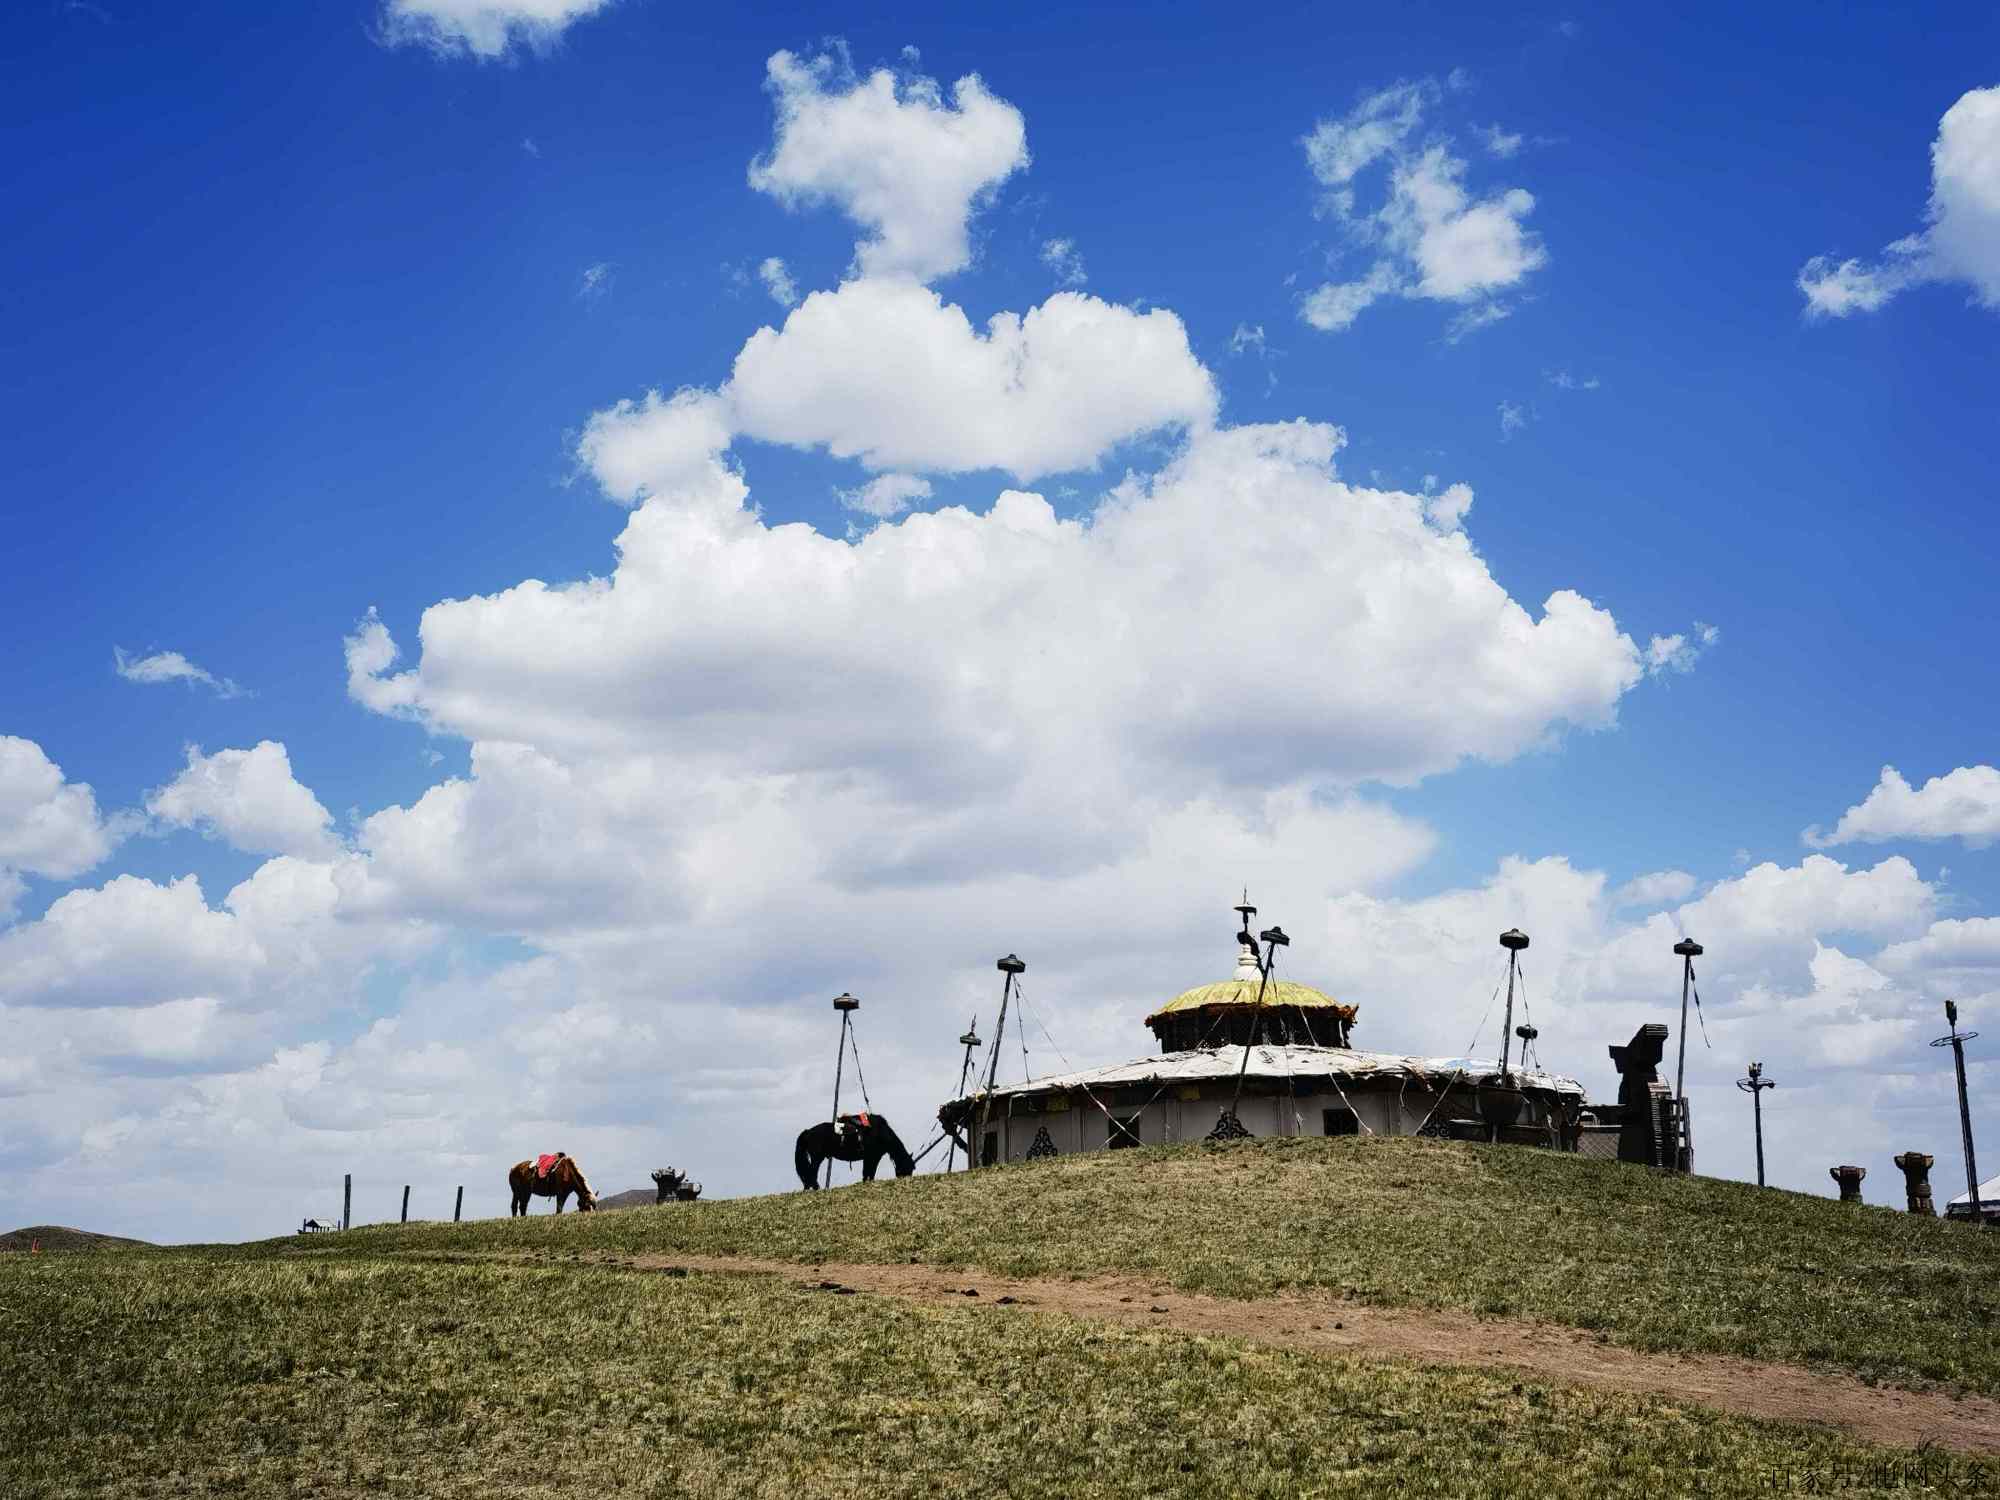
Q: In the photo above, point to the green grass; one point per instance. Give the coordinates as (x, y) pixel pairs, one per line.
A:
(1652, 1260)
(175, 1374)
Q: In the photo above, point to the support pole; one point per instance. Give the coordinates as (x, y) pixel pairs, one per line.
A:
(406, 1205)
(458, 1208)
(1754, 1086)
(1513, 940)
(1956, 1041)
(346, 1199)
(969, 1041)
(846, 1004)
(1009, 966)
(1689, 950)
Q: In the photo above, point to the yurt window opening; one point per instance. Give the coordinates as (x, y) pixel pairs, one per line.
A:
(1122, 1133)
(1340, 1121)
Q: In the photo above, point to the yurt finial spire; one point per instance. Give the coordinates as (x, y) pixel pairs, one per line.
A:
(1249, 962)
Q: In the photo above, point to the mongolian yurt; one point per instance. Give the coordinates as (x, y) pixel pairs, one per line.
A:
(1302, 1076)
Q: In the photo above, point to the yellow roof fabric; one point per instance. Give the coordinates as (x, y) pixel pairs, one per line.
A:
(1244, 992)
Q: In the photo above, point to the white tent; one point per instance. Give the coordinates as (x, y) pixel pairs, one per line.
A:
(1989, 1202)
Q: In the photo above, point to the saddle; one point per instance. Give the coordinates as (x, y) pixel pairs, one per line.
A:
(545, 1163)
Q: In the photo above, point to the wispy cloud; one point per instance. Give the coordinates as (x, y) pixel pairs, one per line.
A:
(171, 666)
(1562, 380)
(886, 495)
(1430, 237)
(1061, 256)
(1513, 417)
(596, 282)
(485, 29)
(1678, 653)
(778, 281)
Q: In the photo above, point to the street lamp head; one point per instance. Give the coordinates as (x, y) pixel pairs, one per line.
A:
(1527, 1033)
(1011, 965)
(970, 1039)
(1687, 947)
(1951, 1012)
(1513, 939)
(1275, 937)
(845, 1001)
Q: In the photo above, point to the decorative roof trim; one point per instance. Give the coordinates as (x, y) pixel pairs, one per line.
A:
(1277, 1064)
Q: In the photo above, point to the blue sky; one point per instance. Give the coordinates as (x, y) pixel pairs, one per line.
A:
(304, 322)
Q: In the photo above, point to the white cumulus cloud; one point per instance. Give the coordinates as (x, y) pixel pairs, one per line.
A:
(888, 372)
(893, 155)
(49, 825)
(1962, 804)
(1960, 240)
(247, 798)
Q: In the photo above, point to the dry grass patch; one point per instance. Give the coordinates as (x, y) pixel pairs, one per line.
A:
(176, 1375)
(1652, 1260)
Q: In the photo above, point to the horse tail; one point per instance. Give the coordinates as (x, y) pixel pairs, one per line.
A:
(898, 1152)
(803, 1163)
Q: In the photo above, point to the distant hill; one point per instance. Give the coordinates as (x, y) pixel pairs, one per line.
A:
(630, 1198)
(60, 1237)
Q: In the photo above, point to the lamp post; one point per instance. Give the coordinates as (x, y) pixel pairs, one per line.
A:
(846, 1004)
(969, 1041)
(1689, 950)
(1011, 967)
(1956, 1040)
(1754, 1086)
(1513, 940)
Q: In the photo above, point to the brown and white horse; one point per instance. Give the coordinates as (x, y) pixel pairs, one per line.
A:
(564, 1178)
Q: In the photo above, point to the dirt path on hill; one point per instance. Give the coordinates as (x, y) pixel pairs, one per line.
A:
(1745, 1387)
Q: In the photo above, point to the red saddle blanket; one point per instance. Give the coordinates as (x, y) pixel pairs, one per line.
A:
(545, 1161)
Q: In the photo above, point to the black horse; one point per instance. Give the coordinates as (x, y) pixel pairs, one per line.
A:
(864, 1138)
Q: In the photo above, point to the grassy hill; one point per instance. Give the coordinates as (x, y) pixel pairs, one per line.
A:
(1650, 1259)
(57, 1237)
(530, 1358)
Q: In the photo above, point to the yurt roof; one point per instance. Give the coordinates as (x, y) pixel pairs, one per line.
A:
(1989, 1195)
(1241, 991)
(1204, 1065)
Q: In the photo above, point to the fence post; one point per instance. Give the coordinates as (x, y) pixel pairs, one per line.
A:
(346, 1199)
(458, 1207)
(406, 1204)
